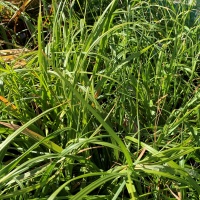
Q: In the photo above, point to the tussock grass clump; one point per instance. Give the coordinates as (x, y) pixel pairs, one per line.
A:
(107, 107)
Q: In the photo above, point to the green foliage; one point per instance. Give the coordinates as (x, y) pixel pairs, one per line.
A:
(107, 107)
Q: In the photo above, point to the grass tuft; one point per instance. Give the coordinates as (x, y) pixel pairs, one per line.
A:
(105, 104)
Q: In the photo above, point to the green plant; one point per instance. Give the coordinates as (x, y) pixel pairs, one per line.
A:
(112, 108)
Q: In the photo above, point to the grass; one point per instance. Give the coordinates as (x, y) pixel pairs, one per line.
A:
(107, 105)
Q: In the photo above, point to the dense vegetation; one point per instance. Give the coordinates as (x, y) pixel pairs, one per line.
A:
(107, 105)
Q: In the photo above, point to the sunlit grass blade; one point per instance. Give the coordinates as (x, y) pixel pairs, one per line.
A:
(18, 131)
(50, 145)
